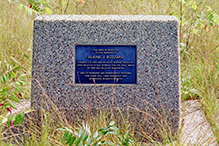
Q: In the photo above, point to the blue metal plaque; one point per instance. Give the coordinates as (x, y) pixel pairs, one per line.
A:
(105, 64)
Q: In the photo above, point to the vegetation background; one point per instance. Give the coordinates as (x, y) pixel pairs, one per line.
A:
(199, 51)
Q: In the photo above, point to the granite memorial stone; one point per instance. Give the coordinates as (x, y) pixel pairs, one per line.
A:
(109, 62)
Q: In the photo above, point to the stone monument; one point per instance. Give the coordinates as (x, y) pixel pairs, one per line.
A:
(93, 62)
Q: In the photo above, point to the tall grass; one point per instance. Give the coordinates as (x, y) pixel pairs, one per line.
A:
(199, 56)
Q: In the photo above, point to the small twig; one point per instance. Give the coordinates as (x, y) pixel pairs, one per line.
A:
(56, 141)
(214, 48)
(66, 7)
(11, 136)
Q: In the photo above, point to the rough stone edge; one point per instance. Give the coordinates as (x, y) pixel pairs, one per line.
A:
(106, 17)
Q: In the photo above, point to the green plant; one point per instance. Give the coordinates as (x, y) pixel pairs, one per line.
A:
(187, 89)
(212, 16)
(194, 17)
(84, 137)
(37, 7)
(11, 91)
(40, 7)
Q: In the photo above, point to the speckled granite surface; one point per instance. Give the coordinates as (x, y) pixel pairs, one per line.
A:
(156, 38)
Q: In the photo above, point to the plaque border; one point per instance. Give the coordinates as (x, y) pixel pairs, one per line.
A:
(109, 84)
